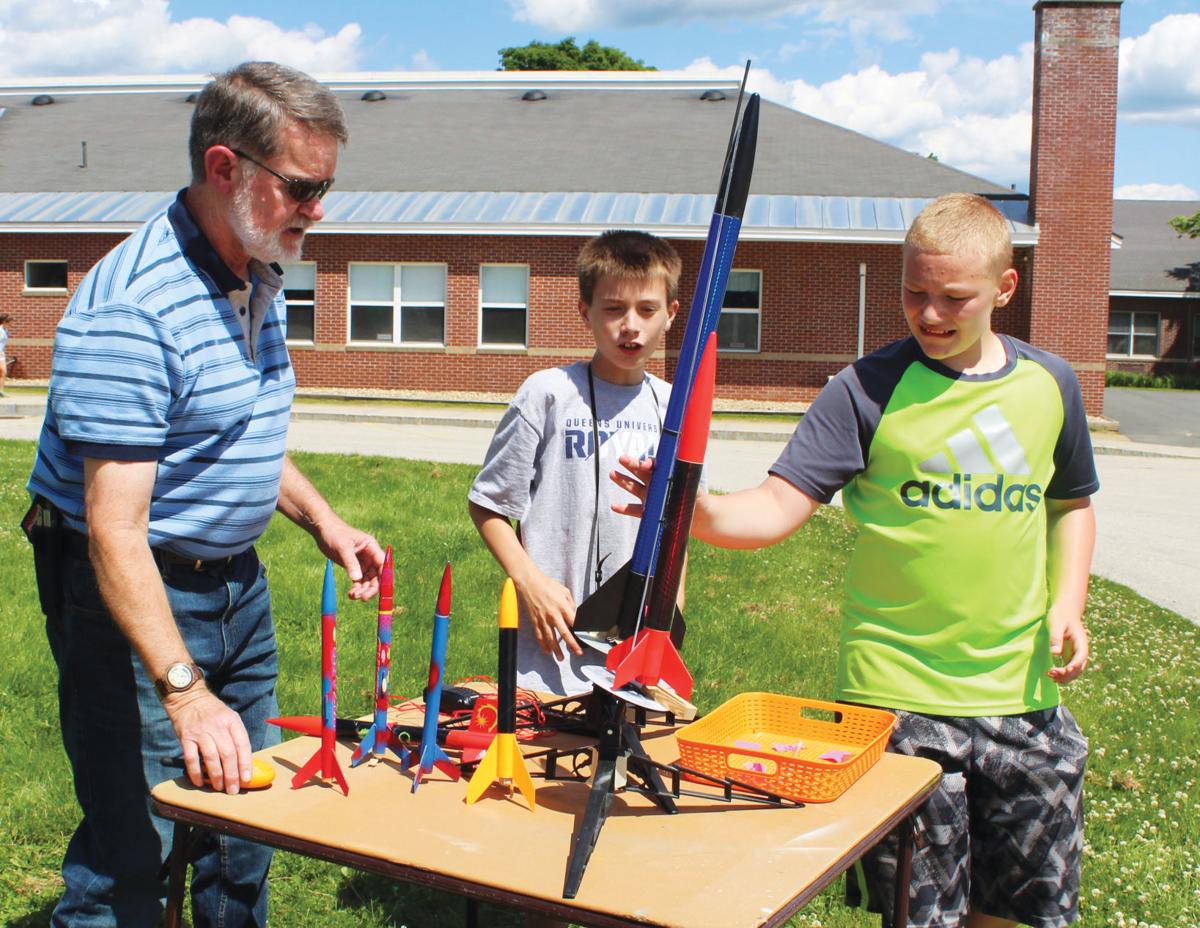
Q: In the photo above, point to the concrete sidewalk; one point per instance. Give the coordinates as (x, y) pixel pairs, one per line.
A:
(1148, 508)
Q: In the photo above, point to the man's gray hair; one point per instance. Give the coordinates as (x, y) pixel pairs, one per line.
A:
(250, 106)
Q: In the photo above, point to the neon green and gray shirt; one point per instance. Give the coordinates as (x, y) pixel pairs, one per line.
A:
(945, 476)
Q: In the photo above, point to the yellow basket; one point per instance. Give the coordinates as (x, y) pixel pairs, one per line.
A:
(776, 742)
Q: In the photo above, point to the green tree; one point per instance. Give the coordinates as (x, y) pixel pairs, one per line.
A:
(1187, 225)
(567, 56)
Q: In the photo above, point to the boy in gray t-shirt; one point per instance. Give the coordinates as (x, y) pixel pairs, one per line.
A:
(542, 468)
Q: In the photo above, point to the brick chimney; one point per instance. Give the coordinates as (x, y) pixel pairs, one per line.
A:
(1071, 182)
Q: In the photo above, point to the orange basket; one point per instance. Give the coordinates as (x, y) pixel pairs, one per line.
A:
(776, 742)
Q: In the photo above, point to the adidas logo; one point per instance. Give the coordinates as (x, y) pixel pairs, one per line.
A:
(964, 458)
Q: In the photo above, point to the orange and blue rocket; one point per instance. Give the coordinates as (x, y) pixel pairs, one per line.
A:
(504, 761)
(377, 740)
(323, 763)
(432, 754)
(650, 655)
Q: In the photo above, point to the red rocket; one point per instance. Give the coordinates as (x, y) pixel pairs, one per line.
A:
(324, 762)
(376, 739)
(504, 760)
(431, 754)
(650, 655)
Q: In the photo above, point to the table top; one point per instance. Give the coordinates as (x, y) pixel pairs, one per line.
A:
(712, 865)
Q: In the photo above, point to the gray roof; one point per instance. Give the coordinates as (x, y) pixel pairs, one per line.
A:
(1152, 257)
(652, 136)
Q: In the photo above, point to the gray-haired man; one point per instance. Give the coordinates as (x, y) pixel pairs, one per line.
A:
(161, 462)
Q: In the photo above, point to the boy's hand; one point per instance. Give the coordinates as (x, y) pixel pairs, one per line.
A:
(635, 484)
(552, 611)
(1068, 640)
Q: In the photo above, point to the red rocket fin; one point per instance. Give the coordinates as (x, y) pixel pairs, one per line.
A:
(650, 658)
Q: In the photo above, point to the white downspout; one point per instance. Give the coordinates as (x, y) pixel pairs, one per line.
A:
(862, 306)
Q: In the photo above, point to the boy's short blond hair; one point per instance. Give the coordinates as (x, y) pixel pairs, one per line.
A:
(627, 253)
(963, 224)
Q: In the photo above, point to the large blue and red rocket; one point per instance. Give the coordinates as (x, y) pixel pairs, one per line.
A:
(323, 764)
(649, 655)
(624, 600)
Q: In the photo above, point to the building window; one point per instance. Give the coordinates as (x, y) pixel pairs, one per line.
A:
(300, 292)
(1133, 334)
(738, 327)
(1196, 334)
(503, 305)
(46, 275)
(398, 304)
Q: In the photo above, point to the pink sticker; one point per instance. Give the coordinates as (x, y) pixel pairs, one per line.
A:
(747, 745)
(837, 757)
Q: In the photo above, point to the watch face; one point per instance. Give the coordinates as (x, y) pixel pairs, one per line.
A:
(179, 676)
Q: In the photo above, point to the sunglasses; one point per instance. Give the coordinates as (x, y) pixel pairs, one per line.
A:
(298, 189)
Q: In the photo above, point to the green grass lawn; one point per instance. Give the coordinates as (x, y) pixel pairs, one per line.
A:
(764, 621)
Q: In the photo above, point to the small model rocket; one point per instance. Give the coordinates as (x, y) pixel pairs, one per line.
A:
(376, 740)
(431, 753)
(504, 760)
(650, 655)
(323, 764)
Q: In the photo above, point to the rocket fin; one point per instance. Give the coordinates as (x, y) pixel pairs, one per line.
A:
(485, 774)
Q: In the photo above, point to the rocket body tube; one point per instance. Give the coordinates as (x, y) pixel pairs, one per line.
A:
(324, 762)
(431, 753)
(375, 740)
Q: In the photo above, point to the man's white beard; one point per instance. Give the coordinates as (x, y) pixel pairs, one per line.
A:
(258, 243)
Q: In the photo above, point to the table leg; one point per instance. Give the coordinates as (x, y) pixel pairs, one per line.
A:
(177, 875)
(472, 913)
(904, 852)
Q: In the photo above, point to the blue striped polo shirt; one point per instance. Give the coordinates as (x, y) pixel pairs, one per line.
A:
(151, 363)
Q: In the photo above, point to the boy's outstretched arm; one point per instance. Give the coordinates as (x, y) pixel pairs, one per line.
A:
(753, 518)
(1071, 536)
(549, 603)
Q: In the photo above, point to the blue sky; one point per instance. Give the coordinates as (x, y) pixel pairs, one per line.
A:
(950, 77)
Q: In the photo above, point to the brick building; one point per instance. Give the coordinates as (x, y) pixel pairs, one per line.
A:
(1154, 301)
(446, 259)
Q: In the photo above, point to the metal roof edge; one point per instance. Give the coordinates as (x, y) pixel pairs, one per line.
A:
(384, 80)
(1159, 294)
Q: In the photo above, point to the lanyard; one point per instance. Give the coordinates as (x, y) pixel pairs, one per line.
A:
(596, 459)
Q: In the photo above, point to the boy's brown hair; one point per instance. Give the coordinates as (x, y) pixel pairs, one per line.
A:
(963, 224)
(627, 253)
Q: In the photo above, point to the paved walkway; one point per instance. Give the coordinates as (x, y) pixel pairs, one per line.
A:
(1148, 508)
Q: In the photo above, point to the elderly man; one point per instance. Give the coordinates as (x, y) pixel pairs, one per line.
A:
(159, 466)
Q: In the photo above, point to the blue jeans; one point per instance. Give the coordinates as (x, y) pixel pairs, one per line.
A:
(117, 734)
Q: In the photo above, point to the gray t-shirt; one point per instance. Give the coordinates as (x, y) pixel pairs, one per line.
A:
(540, 471)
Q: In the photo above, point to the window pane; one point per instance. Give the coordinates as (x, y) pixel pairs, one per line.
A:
(422, 324)
(371, 282)
(503, 327)
(300, 323)
(46, 275)
(1118, 343)
(1145, 323)
(504, 284)
(299, 277)
(742, 290)
(1118, 321)
(423, 284)
(370, 323)
(738, 331)
(1145, 344)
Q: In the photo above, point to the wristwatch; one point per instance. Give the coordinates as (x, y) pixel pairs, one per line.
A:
(179, 678)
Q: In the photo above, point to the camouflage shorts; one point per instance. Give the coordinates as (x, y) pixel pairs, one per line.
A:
(1003, 833)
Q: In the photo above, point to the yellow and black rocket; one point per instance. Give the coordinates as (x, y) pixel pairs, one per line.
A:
(503, 760)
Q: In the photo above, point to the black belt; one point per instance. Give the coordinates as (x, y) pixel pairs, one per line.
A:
(77, 545)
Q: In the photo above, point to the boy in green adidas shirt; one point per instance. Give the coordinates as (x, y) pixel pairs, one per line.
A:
(964, 460)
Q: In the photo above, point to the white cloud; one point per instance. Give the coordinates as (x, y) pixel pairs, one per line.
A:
(1158, 79)
(1156, 192)
(63, 37)
(423, 61)
(887, 18)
